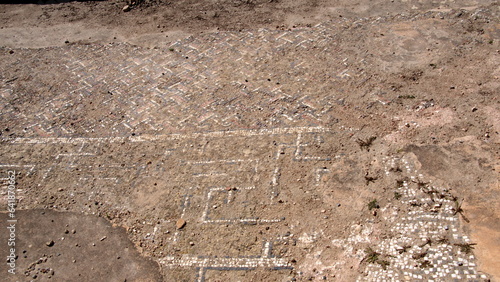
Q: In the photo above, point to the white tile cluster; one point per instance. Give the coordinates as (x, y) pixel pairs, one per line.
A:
(427, 237)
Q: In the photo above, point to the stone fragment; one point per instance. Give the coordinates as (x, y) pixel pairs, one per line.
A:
(180, 223)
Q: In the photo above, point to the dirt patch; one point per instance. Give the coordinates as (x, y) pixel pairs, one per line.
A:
(159, 23)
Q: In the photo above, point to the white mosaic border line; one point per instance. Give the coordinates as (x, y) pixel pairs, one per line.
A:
(167, 137)
(266, 260)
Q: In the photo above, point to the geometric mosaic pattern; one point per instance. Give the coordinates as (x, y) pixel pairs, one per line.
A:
(235, 190)
(139, 90)
(183, 114)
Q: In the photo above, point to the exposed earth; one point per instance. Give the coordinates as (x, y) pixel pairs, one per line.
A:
(250, 140)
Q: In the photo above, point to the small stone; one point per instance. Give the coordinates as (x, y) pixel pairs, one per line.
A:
(212, 14)
(103, 238)
(374, 213)
(191, 243)
(126, 8)
(180, 223)
(50, 243)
